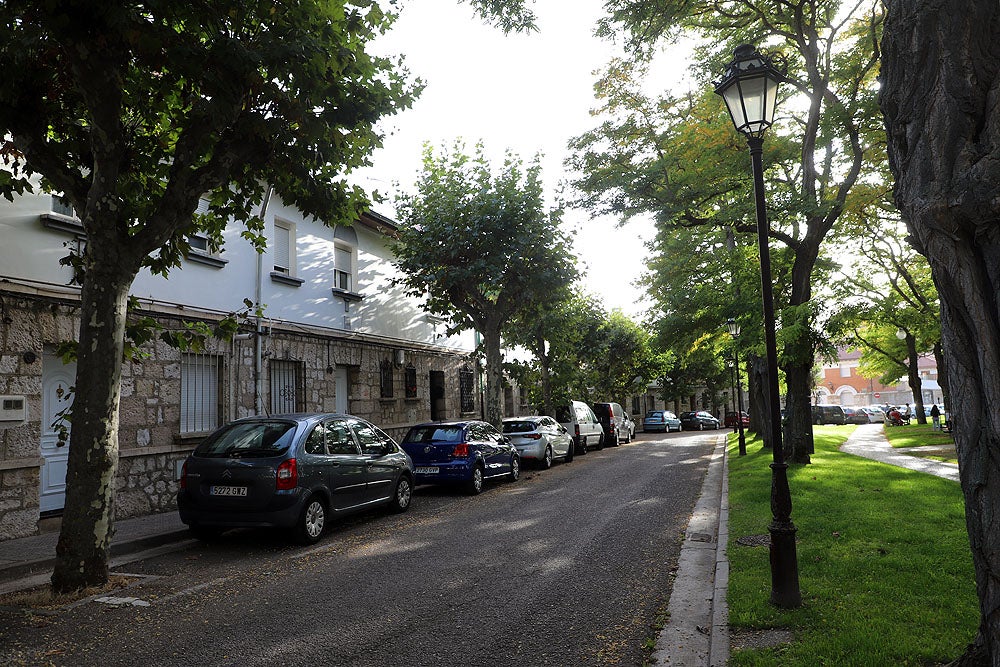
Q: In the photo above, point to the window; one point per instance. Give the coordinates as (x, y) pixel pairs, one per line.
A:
(200, 406)
(343, 272)
(411, 381)
(284, 244)
(467, 389)
(61, 206)
(845, 371)
(286, 386)
(385, 379)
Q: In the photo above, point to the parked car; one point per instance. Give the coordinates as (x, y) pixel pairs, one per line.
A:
(613, 422)
(731, 421)
(539, 438)
(855, 416)
(828, 414)
(630, 426)
(660, 420)
(461, 452)
(582, 424)
(699, 420)
(291, 471)
(875, 415)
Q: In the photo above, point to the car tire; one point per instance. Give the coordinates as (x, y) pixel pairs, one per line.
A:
(547, 458)
(570, 452)
(312, 521)
(701, 427)
(614, 440)
(600, 442)
(403, 495)
(515, 468)
(475, 485)
(582, 447)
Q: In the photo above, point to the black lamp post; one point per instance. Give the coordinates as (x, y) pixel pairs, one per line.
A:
(749, 87)
(734, 331)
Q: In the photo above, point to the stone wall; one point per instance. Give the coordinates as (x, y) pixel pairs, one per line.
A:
(151, 445)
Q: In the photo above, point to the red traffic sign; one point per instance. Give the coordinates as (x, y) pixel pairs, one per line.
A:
(877, 394)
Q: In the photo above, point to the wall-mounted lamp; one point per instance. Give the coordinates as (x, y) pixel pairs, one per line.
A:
(399, 357)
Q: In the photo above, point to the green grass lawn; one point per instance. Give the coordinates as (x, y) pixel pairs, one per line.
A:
(917, 435)
(884, 564)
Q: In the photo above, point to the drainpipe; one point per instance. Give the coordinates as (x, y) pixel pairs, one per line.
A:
(258, 375)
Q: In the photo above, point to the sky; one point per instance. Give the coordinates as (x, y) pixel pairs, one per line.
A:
(527, 93)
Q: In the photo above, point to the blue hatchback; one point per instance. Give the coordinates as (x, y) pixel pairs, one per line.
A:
(461, 452)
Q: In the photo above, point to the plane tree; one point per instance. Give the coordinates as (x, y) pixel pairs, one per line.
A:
(479, 245)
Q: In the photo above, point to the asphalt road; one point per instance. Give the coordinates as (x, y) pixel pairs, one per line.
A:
(569, 566)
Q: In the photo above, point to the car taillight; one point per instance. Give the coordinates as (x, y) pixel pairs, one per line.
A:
(578, 430)
(533, 436)
(183, 482)
(288, 475)
(461, 450)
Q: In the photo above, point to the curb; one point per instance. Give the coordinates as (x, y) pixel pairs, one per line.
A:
(697, 631)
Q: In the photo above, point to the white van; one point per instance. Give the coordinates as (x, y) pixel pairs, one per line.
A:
(582, 424)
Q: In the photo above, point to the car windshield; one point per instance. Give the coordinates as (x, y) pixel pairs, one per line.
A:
(248, 439)
(435, 434)
(519, 427)
(654, 413)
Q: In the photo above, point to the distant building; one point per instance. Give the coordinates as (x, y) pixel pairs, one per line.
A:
(842, 385)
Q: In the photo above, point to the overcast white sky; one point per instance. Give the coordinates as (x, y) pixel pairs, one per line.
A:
(529, 93)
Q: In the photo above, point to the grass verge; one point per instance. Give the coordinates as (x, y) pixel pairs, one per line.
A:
(884, 564)
(917, 435)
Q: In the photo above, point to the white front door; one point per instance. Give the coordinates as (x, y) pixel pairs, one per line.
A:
(341, 400)
(57, 380)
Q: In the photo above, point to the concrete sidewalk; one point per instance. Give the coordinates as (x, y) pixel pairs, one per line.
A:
(28, 561)
(868, 440)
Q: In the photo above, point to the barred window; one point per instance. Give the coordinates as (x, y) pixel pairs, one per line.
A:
(286, 386)
(467, 389)
(411, 381)
(385, 379)
(201, 408)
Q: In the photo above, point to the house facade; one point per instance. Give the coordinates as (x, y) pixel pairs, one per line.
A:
(335, 335)
(841, 384)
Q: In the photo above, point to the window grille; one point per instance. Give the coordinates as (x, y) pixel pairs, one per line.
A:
(385, 379)
(467, 389)
(201, 408)
(286, 386)
(411, 381)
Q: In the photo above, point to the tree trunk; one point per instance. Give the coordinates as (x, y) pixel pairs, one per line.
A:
(942, 377)
(88, 518)
(940, 85)
(797, 427)
(913, 378)
(494, 375)
(757, 378)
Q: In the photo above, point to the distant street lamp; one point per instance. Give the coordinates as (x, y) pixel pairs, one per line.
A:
(749, 86)
(734, 331)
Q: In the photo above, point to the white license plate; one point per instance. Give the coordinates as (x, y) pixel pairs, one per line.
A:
(228, 491)
(428, 470)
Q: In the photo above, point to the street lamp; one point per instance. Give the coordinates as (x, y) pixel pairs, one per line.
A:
(749, 87)
(734, 331)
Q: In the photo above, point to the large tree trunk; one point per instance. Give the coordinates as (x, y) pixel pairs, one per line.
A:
(913, 378)
(939, 95)
(494, 375)
(88, 518)
(797, 433)
(759, 410)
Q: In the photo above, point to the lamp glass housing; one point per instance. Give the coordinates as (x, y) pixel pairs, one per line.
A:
(749, 88)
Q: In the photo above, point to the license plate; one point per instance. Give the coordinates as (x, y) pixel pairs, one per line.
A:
(228, 491)
(429, 470)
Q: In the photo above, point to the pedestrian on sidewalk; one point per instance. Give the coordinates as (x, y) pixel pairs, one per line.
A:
(935, 417)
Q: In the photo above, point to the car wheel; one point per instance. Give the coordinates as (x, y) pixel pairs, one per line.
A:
(205, 533)
(547, 459)
(582, 447)
(614, 439)
(312, 521)
(570, 452)
(403, 495)
(475, 485)
(515, 467)
(600, 442)
(701, 427)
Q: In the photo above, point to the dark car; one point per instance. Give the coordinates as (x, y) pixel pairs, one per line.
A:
(731, 420)
(699, 420)
(855, 416)
(660, 420)
(461, 452)
(291, 471)
(828, 414)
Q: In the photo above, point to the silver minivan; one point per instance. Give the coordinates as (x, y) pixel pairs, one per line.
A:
(582, 424)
